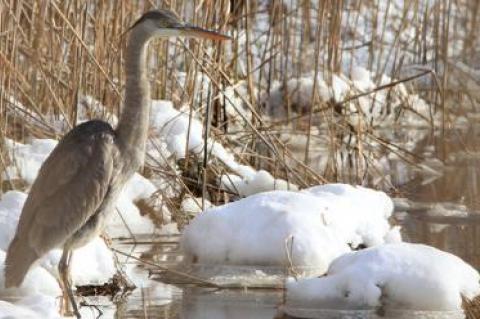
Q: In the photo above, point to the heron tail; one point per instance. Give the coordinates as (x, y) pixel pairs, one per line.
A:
(19, 259)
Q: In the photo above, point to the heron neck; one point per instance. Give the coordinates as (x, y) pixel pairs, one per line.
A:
(132, 128)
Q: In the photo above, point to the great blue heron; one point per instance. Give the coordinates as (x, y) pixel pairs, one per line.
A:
(77, 186)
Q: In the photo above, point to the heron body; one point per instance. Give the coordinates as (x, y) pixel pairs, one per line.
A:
(78, 184)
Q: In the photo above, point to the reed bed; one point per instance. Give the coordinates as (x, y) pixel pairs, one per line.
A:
(53, 54)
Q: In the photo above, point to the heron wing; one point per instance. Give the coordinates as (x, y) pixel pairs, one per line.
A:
(70, 187)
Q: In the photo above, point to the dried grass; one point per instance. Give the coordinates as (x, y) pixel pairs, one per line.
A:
(54, 52)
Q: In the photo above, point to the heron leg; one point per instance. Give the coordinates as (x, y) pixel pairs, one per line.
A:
(64, 270)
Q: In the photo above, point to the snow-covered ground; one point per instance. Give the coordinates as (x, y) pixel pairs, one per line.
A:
(398, 276)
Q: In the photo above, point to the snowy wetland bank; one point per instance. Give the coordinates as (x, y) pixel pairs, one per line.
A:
(265, 159)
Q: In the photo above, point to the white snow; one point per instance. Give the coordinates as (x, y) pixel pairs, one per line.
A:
(255, 231)
(11, 204)
(28, 157)
(317, 223)
(253, 183)
(174, 127)
(33, 299)
(358, 214)
(33, 306)
(31, 284)
(193, 205)
(397, 276)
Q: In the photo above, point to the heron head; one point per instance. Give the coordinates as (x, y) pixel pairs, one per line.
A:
(165, 23)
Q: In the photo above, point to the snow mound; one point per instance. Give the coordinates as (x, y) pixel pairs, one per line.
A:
(316, 225)
(256, 231)
(396, 276)
(175, 128)
(31, 285)
(90, 264)
(35, 298)
(192, 206)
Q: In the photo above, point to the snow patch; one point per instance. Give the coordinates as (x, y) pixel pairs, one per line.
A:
(397, 276)
(257, 182)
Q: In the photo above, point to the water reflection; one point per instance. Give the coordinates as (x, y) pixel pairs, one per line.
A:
(179, 300)
(444, 212)
(230, 304)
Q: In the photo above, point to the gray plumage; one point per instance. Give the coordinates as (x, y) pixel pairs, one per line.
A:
(67, 201)
(78, 184)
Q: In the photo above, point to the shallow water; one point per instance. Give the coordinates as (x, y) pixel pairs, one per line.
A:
(441, 210)
(171, 296)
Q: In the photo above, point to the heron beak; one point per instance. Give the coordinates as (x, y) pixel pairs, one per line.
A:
(188, 30)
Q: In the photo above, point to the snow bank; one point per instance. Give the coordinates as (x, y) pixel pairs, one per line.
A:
(179, 131)
(37, 281)
(192, 206)
(11, 204)
(397, 276)
(318, 224)
(172, 126)
(35, 298)
(30, 307)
